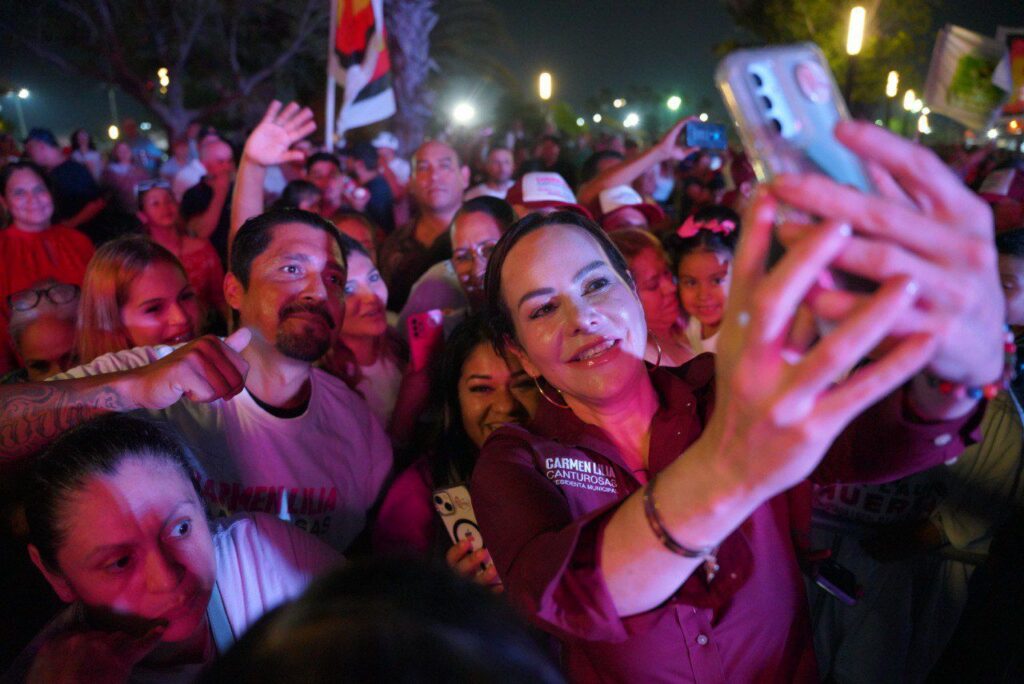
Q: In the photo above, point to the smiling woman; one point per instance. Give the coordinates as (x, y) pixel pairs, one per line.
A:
(135, 294)
(637, 516)
(118, 528)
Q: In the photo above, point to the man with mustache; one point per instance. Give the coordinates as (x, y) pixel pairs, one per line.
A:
(271, 432)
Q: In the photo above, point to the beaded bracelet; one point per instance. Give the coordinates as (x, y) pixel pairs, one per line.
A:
(990, 390)
(708, 553)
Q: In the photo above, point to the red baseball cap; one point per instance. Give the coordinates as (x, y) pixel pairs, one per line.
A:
(615, 200)
(544, 190)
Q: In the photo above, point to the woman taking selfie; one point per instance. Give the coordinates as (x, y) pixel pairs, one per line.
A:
(118, 529)
(637, 516)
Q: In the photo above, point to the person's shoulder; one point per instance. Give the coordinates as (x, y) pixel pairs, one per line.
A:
(514, 442)
(336, 391)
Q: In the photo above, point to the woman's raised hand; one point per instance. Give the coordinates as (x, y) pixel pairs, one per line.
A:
(270, 142)
(774, 419)
(924, 223)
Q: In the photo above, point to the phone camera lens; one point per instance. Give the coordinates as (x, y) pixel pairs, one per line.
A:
(766, 101)
(437, 500)
(448, 507)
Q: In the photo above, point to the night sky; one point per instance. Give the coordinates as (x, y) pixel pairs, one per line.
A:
(666, 44)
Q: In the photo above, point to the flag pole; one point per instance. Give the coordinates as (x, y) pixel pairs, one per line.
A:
(331, 84)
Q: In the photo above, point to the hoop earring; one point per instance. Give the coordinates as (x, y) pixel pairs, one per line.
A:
(657, 345)
(551, 401)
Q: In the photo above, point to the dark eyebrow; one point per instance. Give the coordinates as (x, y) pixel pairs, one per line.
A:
(580, 275)
(154, 300)
(478, 376)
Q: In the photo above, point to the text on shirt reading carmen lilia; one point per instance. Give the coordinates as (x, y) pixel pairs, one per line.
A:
(582, 473)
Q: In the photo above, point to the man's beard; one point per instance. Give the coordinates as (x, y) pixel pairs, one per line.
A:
(306, 345)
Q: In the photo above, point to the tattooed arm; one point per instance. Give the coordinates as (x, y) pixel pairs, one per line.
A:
(32, 414)
(36, 412)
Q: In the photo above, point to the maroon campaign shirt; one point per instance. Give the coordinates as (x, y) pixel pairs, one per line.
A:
(544, 492)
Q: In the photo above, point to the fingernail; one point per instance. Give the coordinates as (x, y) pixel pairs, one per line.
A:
(845, 230)
(911, 287)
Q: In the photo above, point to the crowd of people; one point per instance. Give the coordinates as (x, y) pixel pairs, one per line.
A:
(230, 364)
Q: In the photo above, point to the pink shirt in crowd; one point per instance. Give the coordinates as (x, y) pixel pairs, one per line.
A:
(543, 494)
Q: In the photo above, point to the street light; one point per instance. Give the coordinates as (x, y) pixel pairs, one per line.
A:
(597, 118)
(992, 134)
(855, 34)
(22, 94)
(618, 103)
(909, 98)
(580, 122)
(703, 116)
(674, 103)
(463, 113)
(854, 43)
(892, 84)
(922, 125)
(113, 132)
(632, 120)
(917, 106)
(545, 86)
(164, 78)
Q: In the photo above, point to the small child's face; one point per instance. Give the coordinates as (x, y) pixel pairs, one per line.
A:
(704, 279)
(1011, 276)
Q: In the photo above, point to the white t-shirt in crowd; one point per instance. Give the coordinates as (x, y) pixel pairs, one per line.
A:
(189, 176)
(401, 168)
(321, 471)
(261, 563)
(379, 385)
(483, 189)
(698, 345)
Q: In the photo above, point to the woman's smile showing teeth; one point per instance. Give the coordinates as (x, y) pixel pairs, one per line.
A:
(595, 350)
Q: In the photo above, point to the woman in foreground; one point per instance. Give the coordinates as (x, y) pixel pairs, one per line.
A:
(636, 517)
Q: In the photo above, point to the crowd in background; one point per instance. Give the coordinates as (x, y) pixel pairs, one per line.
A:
(315, 348)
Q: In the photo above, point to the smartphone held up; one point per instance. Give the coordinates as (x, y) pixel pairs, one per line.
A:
(785, 103)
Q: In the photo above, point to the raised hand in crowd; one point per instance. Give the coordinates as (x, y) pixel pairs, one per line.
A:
(666, 149)
(269, 144)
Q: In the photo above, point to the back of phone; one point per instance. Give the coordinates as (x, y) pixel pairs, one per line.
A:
(786, 104)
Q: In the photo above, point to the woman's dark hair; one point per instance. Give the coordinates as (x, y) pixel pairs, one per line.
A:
(1011, 243)
(454, 454)
(21, 165)
(500, 317)
(350, 245)
(705, 240)
(74, 139)
(388, 620)
(97, 447)
(293, 194)
(255, 236)
(495, 207)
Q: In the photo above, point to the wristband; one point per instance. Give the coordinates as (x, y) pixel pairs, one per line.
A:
(990, 390)
(708, 553)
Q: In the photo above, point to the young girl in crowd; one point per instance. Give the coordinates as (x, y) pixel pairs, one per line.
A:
(135, 294)
(476, 391)
(31, 248)
(667, 343)
(117, 527)
(702, 249)
(161, 220)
